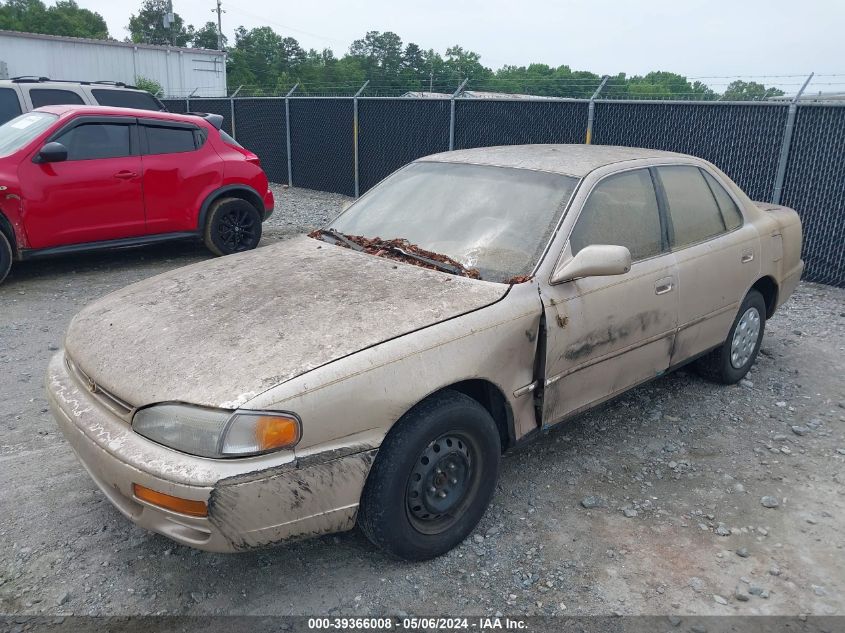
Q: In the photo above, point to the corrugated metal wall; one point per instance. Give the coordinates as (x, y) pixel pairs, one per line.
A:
(179, 70)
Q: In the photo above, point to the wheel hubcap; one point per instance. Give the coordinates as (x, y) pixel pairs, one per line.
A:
(439, 480)
(237, 230)
(745, 338)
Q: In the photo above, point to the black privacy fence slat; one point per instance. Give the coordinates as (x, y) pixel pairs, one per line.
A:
(394, 132)
(179, 106)
(487, 122)
(815, 187)
(744, 141)
(260, 127)
(321, 139)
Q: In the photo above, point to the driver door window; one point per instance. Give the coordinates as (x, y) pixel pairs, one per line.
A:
(621, 210)
(96, 140)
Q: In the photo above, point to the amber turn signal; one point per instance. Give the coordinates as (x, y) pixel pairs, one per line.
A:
(276, 432)
(169, 502)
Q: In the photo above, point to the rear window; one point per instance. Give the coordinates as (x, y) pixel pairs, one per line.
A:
(229, 140)
(126, 99)
(50, 96)
(9, 105)
(170, 140)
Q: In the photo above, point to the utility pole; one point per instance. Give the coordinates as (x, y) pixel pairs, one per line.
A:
(219, 10)
(168, 21)
(431, 71)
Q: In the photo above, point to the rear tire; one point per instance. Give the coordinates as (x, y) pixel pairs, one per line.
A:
(729, 363)
(5, 256)
(433, 478)
(233, 226)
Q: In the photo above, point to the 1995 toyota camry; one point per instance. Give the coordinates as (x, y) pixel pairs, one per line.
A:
(375, 370)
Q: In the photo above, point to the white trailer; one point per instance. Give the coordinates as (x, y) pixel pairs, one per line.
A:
(180, 71)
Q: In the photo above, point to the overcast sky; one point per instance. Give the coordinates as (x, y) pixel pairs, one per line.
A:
(697, 38)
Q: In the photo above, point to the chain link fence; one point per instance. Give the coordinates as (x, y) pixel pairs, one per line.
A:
(348, 144)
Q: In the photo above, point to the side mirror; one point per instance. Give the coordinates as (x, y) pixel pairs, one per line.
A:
(52, 153)
(595, 260)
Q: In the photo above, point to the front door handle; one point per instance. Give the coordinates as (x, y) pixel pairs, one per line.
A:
(747, 256)
(662, 286)
(125, 174)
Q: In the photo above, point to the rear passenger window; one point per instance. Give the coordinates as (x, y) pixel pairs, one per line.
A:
(692, 206)
(730, 213)
(96, 140)
(10, 107)
(125, 99)
(621, 211)
(48, 96)
(170, 140)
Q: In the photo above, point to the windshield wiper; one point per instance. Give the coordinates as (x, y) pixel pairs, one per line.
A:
(340, 237)
(398, 248)
(446, 268)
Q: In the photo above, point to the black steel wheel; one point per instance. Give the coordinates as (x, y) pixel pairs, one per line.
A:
(433, 478)
(233, 226)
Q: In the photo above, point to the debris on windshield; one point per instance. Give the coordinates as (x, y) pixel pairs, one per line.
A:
(519, 279)
(400, 250)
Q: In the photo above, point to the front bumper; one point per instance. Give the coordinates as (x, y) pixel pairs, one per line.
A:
(251, 502)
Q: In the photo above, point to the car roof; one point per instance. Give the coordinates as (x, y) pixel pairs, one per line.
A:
(569, 160)
(68, 110)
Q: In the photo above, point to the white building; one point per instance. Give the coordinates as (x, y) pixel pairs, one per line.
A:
(180, 71)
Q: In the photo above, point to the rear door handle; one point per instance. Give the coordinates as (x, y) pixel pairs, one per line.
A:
(125, 175)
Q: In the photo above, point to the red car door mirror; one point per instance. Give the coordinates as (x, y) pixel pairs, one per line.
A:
(52, 153)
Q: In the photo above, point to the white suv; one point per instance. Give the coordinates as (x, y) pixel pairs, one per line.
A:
(22, 94)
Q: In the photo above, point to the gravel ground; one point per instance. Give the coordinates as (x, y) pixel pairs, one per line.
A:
(653, 504)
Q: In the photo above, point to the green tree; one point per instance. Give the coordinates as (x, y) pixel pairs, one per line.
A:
(150, 85)
(206, 37)
(63, 18)
(380, 56)
(463, 64)
(749, 91)
(147, 27)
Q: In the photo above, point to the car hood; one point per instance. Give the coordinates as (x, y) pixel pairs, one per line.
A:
(220, 332)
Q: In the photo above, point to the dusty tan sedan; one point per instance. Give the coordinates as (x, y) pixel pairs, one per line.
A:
(376, 370)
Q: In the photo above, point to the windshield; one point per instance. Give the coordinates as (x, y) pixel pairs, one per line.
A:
(496, 220)
(21, 130)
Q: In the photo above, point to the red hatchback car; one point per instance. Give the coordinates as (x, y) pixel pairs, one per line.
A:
(76, 178)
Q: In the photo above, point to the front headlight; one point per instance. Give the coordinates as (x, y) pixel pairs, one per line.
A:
(217, 432)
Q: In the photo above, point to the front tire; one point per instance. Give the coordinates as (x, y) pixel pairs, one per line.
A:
(5, 256)
(729, 363)
(233, 226)
(433, 478)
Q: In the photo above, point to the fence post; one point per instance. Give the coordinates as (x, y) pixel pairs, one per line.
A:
(355, 133)
(232, 110)
(780, 175)
(452, 113)
(188, 100)
(591, 110)
(287, 132)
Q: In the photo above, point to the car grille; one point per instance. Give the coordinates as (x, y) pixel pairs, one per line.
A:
(119, 407)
